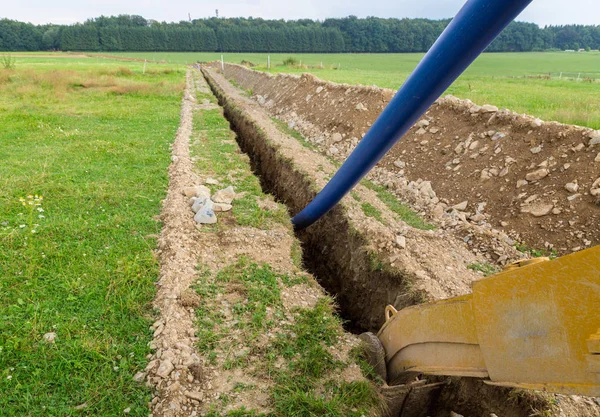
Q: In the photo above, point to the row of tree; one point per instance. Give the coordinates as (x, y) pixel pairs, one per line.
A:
(349, 34)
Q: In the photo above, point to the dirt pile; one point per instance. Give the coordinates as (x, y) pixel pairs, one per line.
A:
(497, 178)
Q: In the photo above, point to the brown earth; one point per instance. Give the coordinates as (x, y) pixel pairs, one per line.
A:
(285, 156)
(292, 173)
(471, 153)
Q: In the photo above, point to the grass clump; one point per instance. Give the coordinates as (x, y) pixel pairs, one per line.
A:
(405, 213)
(371, 211)
(8, 61)
(536, 253)
(485, 268)
(290, 62)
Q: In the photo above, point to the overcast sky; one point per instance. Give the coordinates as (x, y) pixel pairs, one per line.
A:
(542, 12)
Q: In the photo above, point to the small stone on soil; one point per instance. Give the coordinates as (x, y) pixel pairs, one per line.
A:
(537, 175)
(225, 195)
(50, 337)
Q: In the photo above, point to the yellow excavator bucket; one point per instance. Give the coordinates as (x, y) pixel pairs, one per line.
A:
(535, 325)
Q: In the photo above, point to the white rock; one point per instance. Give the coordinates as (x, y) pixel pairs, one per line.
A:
(361, 106)
(485, 175)
(400, 164)
(401, 241)
(199, 202)
(206, 215)
(597, 158)
(572, 187)
(536, 123)
(537, 175)
(462, 206)
(498, 135)
(537, 149)
(211, 181)
(460, 148)
(434, 130)
(165, 368)
(336, 137)
(319, 89)
(194, 395)
(595, 190)
(139, 377)
(225, 195)
(421, 131)
(475, 109)
(488, 108)
(196, 191)
(50, 337)
(474, 145)
(573, 197)
(595, 138)
(539, 209)
(578, 147)
(422, 123)
(127, 410)
(220, 207)
(453, 414)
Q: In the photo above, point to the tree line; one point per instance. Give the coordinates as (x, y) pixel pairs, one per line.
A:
(348, 34)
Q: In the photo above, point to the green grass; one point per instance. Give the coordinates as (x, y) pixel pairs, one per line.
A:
(218, 152)
(404, 212)
(371, 211)
(94, 142)
(494, 78)
(485, 268)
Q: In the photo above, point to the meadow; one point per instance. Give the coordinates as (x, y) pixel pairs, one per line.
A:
(522, 82)
(84, 151)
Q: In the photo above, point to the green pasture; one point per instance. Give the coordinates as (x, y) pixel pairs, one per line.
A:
(523, 82)
(84, 151)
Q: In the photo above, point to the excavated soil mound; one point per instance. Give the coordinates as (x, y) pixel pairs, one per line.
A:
(536, 182)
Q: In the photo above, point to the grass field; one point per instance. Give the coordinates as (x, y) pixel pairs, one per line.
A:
(508, 80)
(84, 151)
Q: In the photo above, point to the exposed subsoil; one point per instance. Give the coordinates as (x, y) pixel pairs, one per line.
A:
(433, 263)
(512, 170)
(336, 248)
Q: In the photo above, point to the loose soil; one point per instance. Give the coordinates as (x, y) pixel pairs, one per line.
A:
(294, 173)
(501, 149)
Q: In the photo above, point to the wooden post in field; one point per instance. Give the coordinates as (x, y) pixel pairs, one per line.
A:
(222, 64)
(269, 62)
(144, 71)
(578, 75)
(339, 66)
(321, 64)
(560, 76)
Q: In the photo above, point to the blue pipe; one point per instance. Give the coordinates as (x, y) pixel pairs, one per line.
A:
(470, 32)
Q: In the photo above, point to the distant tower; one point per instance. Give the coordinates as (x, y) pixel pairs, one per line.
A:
(190, 17)
(217, 12)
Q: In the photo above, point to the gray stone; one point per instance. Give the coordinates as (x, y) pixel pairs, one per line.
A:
(336, 137)
(194, 395)
(595, 190)
(421, 131)
(474, 145)
(220, 207)
(579, 147)
(539, 209)
(422, 123)
(488, 108)
(462, 206)
(211, 181)
(537, 175)
(399, 164)
(139, 377)
(199, 202)
(50, 337)
(319, 89)
(498, 135)
(206, 215)
(597, 158)
(401, 241)
(573, 197)
(225, 195)
(196, 191)
(434, 130)
(361, 106)
(595, 141)
(165, 369)
(453, 414)
(572, 187)
(536, 123)
(537, 149)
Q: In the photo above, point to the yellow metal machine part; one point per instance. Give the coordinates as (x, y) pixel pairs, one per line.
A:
(536, 326)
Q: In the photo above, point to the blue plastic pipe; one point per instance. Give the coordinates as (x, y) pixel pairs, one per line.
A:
(470, 32)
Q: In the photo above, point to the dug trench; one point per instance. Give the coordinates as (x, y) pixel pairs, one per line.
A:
(366, 256)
